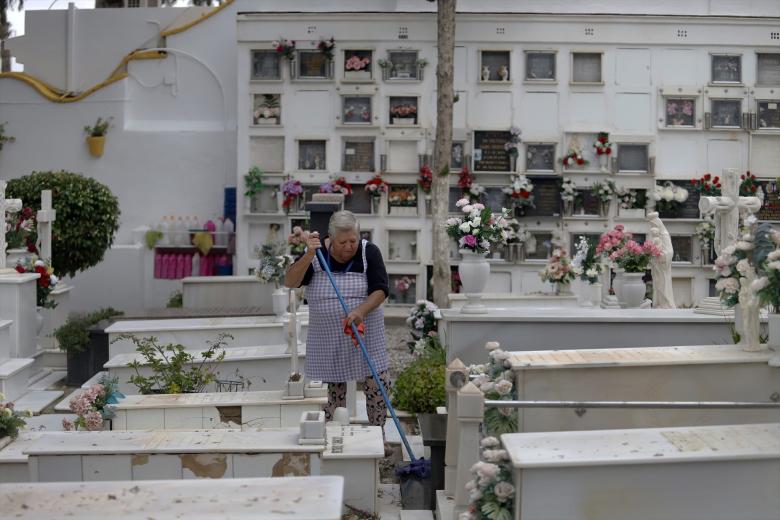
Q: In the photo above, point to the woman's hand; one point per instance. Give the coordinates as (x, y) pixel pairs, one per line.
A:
(313, 243)
(355, 316)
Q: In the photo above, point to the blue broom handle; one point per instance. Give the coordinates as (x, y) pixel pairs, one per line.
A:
(368, 359)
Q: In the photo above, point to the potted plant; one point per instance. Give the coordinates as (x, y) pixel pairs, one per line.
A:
(11, 421)
(420, 386)
(93, 406)
(253, 182)
(267, 112)
(82, 338)
(172, 369)
(356, 67)
(632, 259)
(87, 216)
(273, 266)
(96, 136)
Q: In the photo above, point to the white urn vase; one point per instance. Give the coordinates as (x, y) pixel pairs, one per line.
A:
(603, 162)
(280, 298)
(474, 270)
(632, 290)
(14, 256)
(590, 294)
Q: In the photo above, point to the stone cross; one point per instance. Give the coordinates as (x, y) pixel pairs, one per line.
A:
(6, 206)
(45, 216)
(727, 208)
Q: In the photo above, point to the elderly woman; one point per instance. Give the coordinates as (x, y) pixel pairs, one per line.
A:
(360, 275)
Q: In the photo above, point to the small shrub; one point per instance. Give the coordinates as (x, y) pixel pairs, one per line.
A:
(176, 300)
(420, 386)
(73, 336)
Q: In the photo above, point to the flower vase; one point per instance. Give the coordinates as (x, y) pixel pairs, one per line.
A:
(568, 208)
(632, 290)
(590, 294)
(562, 289)
(603, 209)
(38, 320)
(15, 256)
(279, 299)
(473, 270)
(428, 206)
(376, 205)
(603, 163)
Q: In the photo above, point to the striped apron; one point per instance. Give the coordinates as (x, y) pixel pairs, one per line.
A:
(330, 354)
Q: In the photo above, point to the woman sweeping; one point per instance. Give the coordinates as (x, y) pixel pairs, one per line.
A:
(360, 274)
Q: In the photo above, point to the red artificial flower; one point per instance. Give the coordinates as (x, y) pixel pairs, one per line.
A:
(19, 268)
(753, 188)
(716, 180)
(706, 186)
(694, 181)
(707, 176)
(742, 177)
(580, 161)
(525, 194)
(609, 151)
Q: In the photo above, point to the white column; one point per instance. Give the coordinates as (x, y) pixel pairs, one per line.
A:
(6, 206)
(455, 371)
(471, 412)
(17, 303)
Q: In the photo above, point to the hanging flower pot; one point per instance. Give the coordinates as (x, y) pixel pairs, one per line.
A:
(96, 145)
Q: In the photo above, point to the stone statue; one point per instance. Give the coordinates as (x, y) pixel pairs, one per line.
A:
(661, 266)
(749, 306)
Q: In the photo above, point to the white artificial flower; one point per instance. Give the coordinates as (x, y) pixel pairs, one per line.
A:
(759, 283)
(751, 220)
(503, 387)
(468, 208)
(503, 491)
(465, 227)
(487, 386)
(462, 202)
(452, 221)
(492, 345)
(490, 442)
(495, 456)
(743, 266)
(729, 250)
(680, 195)
(774, 255)
(743, 245)
(774, 265)
(39, 263)
(484, 244)
(727, 285)
(668, 194)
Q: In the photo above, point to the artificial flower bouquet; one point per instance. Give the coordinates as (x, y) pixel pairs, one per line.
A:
(425, 179)
(292, 190)
(635, 258)
(735, 262)
(11, 421)
(284, 47)
(326, 47)
(340, 185)
(45, 283)
(422, 319)
(21, 229)
(586, 263)
(573, 158)
(296, 241)
(355, 62)
(669, 196)
(478, 229)
(273, 263)
(749, 186)
(612, 240)
(601, 145)
(512, 146)
(93, 406)
(604, 191)
(520, 190)
(403, 111)
(559, 268)
(376, 186)
(705, 231)
(707, 185)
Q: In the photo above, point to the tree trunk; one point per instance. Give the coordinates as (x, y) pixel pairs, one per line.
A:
(442, 150)
(5, 32)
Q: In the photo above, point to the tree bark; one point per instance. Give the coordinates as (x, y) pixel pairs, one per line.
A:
(442, 150)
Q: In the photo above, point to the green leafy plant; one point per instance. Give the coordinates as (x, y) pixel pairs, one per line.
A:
(100, 129)
(87, 216)
(253, 181)
(420, 386)
(151, 238)
(5, 138)
(174, 370)
(73, 336)
(11, 421)
(176, 300)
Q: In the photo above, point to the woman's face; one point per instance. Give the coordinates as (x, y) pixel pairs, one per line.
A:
(344, 245)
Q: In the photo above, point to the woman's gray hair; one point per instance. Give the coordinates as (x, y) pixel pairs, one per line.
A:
(343, 221)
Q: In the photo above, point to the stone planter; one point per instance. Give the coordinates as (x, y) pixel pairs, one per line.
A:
(568, 208)
(632, 290)
(295, 389)
(403, 121)
(357, 75)
(267, 121)
(474, 270)
(604, 209)
(15, 255)
(312, 428)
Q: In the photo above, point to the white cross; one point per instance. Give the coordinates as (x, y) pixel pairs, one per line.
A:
(6, 206)
(45, 216)
(727, 209)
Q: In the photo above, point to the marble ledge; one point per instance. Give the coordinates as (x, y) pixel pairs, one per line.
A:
(643, 446)
(568, 315)
(15, 451)
(18, 278)
(188, 324)
(254, 398)
(231, 354)
(6, 324)
(313, 498)
(634, 357)
(277, 440)
(356, 441)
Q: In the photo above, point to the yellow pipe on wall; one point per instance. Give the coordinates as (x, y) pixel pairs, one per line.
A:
(56, 95)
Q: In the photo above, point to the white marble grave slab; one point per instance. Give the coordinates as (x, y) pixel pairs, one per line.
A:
(514, 301)
(689, 373)
(354, 451)
(13, 460)
(14, 375)
(5, 338)
(194, 333)
(17, 304)
(301, 498)
(576, 328)
(266, 367)
(712, 472)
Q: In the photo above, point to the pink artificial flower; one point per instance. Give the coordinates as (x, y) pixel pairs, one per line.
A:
(470, 240)
(68, 425)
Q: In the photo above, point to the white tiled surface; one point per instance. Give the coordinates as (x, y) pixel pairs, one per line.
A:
(359, 442)
(254, 464)
(312, 498)
(687, 355)
(267, 397)
(643, 446)
(106, 467)
(145, 419)
(181, 418)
